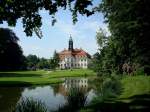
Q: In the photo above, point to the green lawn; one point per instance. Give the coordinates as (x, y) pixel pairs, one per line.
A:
(23, 78)
(135, 85)
(71, 73)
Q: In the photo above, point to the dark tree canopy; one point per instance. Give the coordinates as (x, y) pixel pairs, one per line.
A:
(129, 24)
(28, 11)
(11, 55)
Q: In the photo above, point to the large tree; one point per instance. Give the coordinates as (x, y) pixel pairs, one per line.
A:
(129, 25)
(28, 11)
(11, 55)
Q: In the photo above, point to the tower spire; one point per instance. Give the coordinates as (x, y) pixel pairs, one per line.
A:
(70, 48)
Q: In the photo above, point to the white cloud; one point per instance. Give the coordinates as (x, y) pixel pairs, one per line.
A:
(77, 30)
(67, 28)
(90, 25)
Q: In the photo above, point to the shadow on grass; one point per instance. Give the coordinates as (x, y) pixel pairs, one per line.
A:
(14, 84)
(137, 103)
(6, 74)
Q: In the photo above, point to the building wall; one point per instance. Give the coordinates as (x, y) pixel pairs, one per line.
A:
(74, 62)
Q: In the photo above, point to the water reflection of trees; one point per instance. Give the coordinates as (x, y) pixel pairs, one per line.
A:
(9, 96)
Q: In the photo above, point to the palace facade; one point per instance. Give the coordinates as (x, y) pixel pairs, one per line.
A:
(73, 58)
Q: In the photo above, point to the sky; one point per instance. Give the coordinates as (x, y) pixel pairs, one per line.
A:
(56, 37)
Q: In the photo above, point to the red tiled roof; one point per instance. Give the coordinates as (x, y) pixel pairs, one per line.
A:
(75, 52)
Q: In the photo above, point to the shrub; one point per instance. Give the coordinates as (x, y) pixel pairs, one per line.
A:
(76, 99)
(29, 105)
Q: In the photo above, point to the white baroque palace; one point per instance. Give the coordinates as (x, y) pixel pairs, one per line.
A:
(73, 58)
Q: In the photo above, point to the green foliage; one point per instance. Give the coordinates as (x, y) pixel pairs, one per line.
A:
(139, 71)
(11, 55)
(32, 61)
(28, 11)
(95, 63)
(76, 99)
(29, 105)
(54, 62)
(101, 37)
(128, 23)
(129, 28)
(103, 62)
(43, 64)
(136, 85)
(133, 97)
(107, 87)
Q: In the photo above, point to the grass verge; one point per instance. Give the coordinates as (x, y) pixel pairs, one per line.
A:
(134, 97)
(41, 77)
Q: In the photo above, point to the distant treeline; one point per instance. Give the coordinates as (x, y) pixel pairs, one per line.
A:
(33, 62)
(12, 58)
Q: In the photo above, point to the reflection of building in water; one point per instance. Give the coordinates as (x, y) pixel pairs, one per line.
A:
(77, 83)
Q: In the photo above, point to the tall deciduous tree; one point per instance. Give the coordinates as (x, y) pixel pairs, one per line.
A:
(54, 62)
(129, 24)
(11, 55)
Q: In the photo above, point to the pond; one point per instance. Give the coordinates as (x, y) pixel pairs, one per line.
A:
(51, 95)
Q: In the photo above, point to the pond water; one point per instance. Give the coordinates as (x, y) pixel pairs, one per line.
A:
(51, 95)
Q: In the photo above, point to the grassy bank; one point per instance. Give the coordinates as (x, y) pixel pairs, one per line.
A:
(134, 97)
(25, 78)
(135, 85)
